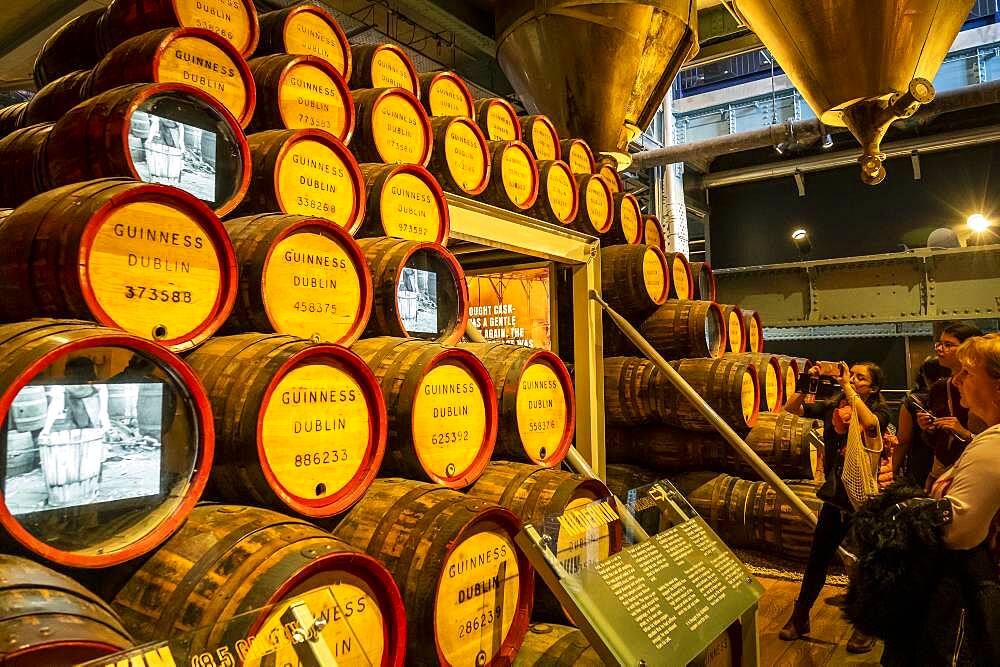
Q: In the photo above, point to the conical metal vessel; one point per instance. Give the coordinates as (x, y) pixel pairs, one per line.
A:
(861, 64)
(598, 68)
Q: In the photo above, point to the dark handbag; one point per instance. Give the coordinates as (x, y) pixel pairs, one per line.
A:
(828, 491)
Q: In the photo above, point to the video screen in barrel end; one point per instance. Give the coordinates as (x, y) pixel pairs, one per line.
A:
(70, 445)
(170, 152)
(417, 296)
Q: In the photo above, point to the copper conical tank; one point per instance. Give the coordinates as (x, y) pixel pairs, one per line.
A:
(859, 63)
(598, 68)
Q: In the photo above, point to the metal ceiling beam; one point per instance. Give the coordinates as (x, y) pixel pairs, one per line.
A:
(439, 16)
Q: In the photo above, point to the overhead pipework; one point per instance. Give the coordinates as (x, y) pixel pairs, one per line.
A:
(860, 64)
(599, 69)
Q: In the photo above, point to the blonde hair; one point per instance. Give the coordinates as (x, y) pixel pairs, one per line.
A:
(982, 350)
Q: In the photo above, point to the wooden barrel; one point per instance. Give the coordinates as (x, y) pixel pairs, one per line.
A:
(535, 399)
(114, 134)
(558, 196)
(736, 332)
(305, 29)
(548, 645)
(755, 330)
(299, 275)
(632, 393)
(229, 561)
(608, 168)
(22, 452)
(304, 172)
(577, 154)
(146, 258)
(751, 514)
(392, 128)
(704, 281)
(23, 172)
(461, 157)
(627, 225)
(730, 386)
(514, 177)
(622, 478)
(652, 232)
(786, 442)
(49, 619)
(586, 533)
(595, 213)
(419, 290)
(541, 136)
(772, 378)
(236, 20)
(27, 412)
(383, 66)
(301, 427)
(464, 582)
(789, 375)
(446, 94)
(301, 92)
(142, 491)
(679, 329)
(682, 281)
(498, 120)
(634, 279)
(442, 409)
(11, 118)
(404, 201)
(74, 46)
(57, 97)
(195, 56)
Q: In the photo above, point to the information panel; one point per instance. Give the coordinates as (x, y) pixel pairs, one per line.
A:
(512, 307)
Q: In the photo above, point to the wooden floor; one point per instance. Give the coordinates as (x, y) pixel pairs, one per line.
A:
(827, 640)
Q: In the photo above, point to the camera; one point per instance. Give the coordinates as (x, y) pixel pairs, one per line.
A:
(822, 385)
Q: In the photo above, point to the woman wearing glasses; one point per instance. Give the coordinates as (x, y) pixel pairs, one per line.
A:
(947, 423)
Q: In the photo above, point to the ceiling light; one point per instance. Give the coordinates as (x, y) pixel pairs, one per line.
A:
(978, 223)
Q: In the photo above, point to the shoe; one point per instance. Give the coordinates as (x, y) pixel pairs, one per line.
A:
(797, 626)
(860, 642)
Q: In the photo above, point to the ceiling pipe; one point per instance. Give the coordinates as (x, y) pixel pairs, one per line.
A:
(793, 135)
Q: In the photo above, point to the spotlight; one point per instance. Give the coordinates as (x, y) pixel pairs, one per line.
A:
(827, 141)
(779, 149)
(800, 237)
(978, 223)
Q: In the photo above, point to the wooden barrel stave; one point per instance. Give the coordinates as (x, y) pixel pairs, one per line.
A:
(421, 533)
(578, 155)
(681, 329)
(305, 30)
(57, 97)
(596, 207)
(634, 279)
(383, 112)
(514, 178)
(404, 201)
(274, 252)
(57, 225)
(301, 92)
(704, 281)
(540, 134)
(461, 159)
(229, 561)
(416, 423)
(498, 120)
(549, 645)
(387, 258)
(74, 46)
(12, 118)
(265, 391)
(773, 381)
(383, 66)
(558, 198)
(446, 94)
(22, 164)
(531, 433)
(235, 20)
(304, 172)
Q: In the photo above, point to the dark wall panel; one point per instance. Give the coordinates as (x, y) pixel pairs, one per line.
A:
(888, 353)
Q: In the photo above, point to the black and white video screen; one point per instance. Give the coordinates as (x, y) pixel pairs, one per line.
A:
(418, 300)
(69, 445)
(169, 152)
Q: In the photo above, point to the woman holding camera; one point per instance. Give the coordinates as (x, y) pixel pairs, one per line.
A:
(861, 386)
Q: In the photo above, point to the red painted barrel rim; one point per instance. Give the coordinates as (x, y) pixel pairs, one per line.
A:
(230, 50)
(715, 311)
(779, 399)
(371, 572)
(667, 275)
(350, 114)
(760, 330)
(186, 379)
(436, 191)
(679, 257)
(152, 89)
(575, 199)
(484, 521)
(38, 651)
(510, 111)
(640, 226)
(425, 121)
(254, 25)
(345, 45)
(353, 250)
(579, 142)
(536, 177)
(411, 68)
(661, 242)
(569, 394)
(757, 391)
(618, 177)
(357, 217)
(744, 339)
(470, 104)
(609, 219)
(484, 148)
(350, 492)
(481, 375)
(706, 268)
(461, 287)
(550, 126)
(209, 223)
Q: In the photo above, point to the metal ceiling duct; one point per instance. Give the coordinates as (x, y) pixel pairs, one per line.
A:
(598, 68)
(860, 64)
